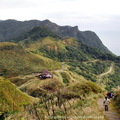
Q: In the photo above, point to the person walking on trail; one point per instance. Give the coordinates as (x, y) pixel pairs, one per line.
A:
(106, 102)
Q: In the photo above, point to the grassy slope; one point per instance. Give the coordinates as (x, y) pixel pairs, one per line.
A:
(117, 99)
(63, 78)
(56, 48)
(68, 49)
(73, 53)
(11, 99)
(48, 43)
(79, 94)
(15, 60)
(31, 82)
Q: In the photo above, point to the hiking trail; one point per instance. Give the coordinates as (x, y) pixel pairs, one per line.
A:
(111, 114)
(105, 73)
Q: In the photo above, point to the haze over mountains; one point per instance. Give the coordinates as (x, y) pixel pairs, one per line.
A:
(10, 29)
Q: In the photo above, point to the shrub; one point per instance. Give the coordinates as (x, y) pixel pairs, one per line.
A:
(86, 88)
(66, 77)
(52, 85)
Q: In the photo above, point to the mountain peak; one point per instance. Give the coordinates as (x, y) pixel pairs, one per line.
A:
(76, 27)
(47, 21)
(14, 28)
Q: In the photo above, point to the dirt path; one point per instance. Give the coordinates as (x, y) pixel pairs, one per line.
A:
(105, 73)
(111, 114)
(109, 71)
(92, 61)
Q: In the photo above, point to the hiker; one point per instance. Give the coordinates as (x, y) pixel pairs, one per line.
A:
(106, 102)
(110, 95)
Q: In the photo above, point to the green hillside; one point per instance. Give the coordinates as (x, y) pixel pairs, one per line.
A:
(10, 29)
(72, 52)
(12, 99)
(43, 42)
(63, 94)
(34, 34)
(40, 39)
(15, 60)
(81, 74)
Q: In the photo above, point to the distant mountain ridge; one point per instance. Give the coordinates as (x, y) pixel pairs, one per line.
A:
(12, 28)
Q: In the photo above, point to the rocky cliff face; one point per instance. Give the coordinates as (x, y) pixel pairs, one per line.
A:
(10, 29)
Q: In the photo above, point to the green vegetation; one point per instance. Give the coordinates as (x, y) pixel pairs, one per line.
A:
(11, 98)
(85, 88)
(91, 39)
(15, 60)
(55, 99)
(35, 34)
(62, 50)
(90, 70)
(10, 29)
(113, 80)
(75, 66)
(66, 77)
(117, 100)
(28, 57)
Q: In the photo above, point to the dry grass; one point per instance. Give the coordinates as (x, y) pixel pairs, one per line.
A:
(10, 97)
(3, 44)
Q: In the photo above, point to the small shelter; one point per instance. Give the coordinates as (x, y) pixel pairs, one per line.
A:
(45, 74)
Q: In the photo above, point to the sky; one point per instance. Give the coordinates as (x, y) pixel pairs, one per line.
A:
(100, 16)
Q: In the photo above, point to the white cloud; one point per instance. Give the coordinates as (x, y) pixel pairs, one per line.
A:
(101, 16)
(70, 8)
